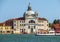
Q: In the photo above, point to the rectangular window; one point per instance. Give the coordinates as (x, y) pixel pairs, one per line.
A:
(34, 27)
(47, 24)
(0, 31)
(14, 24)
(24, 21)
(29, 27)
(20, 24)
(24, 24)
(14, 21)
(6, 28)
(40, 21)
(20, 21)
(8, 31)
(0, 28)
(42, 25)
(21, 30)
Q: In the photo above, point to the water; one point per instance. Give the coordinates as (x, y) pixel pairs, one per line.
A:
(28, 38)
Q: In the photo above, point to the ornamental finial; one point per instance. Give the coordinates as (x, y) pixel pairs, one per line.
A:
(29, 7)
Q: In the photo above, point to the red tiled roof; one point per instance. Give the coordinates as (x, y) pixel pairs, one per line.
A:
(21, 18)
(42, 19)
(56, 26)
(1, 24)
(10, 21)
(7, 23)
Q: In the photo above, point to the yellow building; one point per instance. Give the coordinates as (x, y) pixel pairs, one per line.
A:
(5, 29)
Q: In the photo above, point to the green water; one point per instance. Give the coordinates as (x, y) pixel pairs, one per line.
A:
(28, 38)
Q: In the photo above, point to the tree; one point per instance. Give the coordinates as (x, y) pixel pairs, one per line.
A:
(50, 24)
(55, 21)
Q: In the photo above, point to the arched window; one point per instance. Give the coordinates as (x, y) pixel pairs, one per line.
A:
(31, 21)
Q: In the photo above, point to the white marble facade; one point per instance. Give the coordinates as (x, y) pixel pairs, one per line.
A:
(30, 22)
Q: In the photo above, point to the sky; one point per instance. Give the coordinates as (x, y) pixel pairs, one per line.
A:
(49, 9)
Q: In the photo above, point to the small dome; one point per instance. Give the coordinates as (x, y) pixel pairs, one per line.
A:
(30, 12)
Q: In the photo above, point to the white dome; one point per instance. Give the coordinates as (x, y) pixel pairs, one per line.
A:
(30, 12)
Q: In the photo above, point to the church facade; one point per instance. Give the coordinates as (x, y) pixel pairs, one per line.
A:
(30, 23)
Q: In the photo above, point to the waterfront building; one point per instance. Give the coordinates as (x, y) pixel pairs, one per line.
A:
(5, 29)
(56, 26)
(30, 23)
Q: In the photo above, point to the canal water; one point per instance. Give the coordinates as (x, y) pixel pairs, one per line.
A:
(27, 38)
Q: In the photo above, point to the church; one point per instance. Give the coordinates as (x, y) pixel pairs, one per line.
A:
(30, 23)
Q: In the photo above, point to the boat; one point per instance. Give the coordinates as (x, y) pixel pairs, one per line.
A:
(49, 33)
(46, 34)
(57, 34)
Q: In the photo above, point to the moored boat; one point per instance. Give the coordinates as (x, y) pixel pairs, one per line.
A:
(51, 32)
(46, 34)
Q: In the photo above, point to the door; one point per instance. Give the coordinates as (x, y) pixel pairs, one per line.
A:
(31, 30)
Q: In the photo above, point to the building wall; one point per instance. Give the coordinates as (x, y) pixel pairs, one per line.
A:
(18, 25)
(43, 25)
(5, 29)
(24, 24)
(30, 27)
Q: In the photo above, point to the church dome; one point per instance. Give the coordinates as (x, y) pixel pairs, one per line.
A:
(30, 12)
